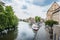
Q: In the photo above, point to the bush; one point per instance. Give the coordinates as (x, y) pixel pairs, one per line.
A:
(7, 17)
(51, 23)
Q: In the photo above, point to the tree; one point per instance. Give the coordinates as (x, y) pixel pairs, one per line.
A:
(3, 20)
(13, 20)
(50, 23)
(37, 19)
(7, 17)
(1, 8)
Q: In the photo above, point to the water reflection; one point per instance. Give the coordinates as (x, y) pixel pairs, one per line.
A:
(10, 36)
(23, 32)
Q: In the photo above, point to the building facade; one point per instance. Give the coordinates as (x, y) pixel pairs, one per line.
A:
(56, 32)
(54, 13)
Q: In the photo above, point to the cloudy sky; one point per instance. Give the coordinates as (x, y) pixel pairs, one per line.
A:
(30, 8)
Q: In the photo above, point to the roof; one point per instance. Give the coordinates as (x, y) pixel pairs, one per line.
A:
(54, 6)
(57, 10)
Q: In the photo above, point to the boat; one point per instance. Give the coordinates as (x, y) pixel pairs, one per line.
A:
(35, 27)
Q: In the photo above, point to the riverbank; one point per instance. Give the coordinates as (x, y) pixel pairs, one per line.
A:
(23, 32)
(7, 30)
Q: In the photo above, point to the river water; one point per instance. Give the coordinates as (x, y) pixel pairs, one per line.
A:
(25, 32)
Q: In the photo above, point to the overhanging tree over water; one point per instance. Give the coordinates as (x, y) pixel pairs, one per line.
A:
(7, 17)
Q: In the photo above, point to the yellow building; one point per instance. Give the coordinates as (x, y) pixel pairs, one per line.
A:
(54, 12)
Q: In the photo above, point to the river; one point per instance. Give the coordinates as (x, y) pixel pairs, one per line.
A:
(25, 32)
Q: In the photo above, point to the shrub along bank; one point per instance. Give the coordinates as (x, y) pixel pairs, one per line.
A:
(7, 18)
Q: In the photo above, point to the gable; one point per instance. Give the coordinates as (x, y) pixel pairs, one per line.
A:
(57, 10)
(53, 7)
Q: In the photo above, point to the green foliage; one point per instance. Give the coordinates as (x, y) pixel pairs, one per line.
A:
(1, 8)
(3, 19)
(51, 23)
(37, 19)
(15, 21)
(7, 17)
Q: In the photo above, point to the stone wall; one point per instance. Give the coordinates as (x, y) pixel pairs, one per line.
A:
(56, 32)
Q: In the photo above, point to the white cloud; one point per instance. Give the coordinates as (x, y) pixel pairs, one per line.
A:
(58, 2)
(32, 10)
(41, 1)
